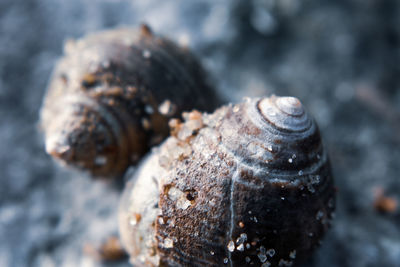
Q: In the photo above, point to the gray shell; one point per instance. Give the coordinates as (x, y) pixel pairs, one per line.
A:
(112, 94)
(248, 184)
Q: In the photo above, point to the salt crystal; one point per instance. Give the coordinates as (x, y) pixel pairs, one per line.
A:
(168, 243)
(231, 246)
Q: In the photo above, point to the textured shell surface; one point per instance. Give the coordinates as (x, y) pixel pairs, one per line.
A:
(248, 184)
(111, 96)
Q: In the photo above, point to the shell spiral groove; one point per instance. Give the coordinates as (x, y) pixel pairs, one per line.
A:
(247, 184)
(112, 94)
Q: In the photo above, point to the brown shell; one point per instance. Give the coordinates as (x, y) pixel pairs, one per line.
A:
(248, 184)
(112, 94)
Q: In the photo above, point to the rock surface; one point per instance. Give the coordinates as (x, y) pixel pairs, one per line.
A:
(339, 57)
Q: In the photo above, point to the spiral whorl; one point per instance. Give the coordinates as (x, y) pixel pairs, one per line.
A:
(284, 113)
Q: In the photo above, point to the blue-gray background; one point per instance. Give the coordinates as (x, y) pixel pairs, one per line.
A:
(341, 58)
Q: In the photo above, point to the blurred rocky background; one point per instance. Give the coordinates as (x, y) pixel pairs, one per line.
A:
(341, 58)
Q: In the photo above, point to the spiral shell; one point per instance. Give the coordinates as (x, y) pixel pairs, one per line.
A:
(248, 184)
(111, 96)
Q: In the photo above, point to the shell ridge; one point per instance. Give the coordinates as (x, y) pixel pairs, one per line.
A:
(180, 72)
(276, 172)
(275, 175)
(109, 118)
(161, 57)
(176, 65)
(126, 132)
(174, 68)
(95, 106)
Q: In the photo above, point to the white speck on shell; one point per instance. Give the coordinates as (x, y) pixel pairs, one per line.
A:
(319, 215)
(100, 160)
(262, 257)
(292, 254)
(180, 197)
(133, 221)
(271, 252)
(231, 246)
(241, 239)
(168, 243)
(146, 53)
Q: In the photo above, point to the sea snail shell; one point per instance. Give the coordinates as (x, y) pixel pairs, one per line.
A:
(111, 96)
(248, 184)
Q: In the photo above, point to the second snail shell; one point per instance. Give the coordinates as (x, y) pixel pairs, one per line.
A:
(247, 184)
(112, 94)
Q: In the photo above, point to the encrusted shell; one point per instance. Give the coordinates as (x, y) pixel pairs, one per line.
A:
(248, 184)
(111, 96)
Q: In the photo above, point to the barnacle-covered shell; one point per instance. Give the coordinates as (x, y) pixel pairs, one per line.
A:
(112, 94)
(249, 184)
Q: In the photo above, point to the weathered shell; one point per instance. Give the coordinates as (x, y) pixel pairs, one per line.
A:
(111, 96)
(248, 184)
